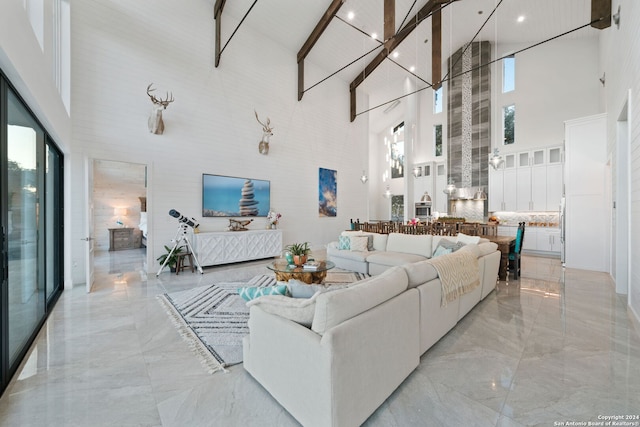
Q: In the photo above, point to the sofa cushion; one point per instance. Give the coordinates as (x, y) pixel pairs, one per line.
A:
(359, 243)
(466, 239)
(420, 272)
(352, 255)
(410, 244)
(299, 310)
(344, 243)
(380, 241)
(252, 292)
(473, 248)
(393, 258)
(333, 308)
(487, 248)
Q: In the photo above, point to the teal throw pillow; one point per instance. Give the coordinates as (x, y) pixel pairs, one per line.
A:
(249, 293)
(441, 250)
(344, 243)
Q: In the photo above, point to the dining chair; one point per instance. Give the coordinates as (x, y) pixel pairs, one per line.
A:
(514, 257)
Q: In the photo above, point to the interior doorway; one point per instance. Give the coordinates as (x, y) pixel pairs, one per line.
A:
(119, 200)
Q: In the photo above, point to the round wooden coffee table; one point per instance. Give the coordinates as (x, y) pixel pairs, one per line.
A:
(284, 271)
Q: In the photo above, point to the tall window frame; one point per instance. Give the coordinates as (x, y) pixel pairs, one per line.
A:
(509, 124)
(509, 74)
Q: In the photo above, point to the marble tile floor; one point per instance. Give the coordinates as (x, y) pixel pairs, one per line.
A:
(552, 347)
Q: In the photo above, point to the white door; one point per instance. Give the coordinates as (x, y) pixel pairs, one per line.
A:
(88, 232)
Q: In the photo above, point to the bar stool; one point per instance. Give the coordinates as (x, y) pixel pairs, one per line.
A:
(180, 262)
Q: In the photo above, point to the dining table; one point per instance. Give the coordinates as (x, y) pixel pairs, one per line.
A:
(506, 244)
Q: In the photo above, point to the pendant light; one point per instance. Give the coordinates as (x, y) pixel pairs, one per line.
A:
(496, 160)
(364, 177)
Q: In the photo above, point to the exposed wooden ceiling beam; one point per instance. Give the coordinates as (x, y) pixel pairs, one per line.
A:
(217, 15)
(312, 39)
(601, 9)
(389, 19)
(391, 45)
(436, 49)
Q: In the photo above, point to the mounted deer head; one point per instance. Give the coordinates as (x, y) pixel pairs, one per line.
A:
(266, 128)
(156, 125)
(267, 132)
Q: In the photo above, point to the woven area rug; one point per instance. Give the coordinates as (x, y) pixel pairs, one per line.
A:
(213, 319)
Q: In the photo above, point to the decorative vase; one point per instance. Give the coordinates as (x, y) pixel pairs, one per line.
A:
(287, 255)
(274, 226)
(263, 147)
(299, 260)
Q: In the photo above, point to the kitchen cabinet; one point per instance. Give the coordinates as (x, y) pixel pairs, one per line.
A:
(538, 181)
(439, 199)
(547, 240)
(503, 188)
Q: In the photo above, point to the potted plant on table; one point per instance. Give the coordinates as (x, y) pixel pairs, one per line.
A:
(172, 259)
(299, 252)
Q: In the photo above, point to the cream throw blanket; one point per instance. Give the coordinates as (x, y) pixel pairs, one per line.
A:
(458, 273)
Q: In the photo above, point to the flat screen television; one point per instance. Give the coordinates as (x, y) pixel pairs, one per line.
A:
(229, 196)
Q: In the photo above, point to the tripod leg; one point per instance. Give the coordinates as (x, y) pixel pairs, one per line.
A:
(194, 255)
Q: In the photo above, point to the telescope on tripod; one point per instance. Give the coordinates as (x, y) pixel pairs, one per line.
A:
(181, 237)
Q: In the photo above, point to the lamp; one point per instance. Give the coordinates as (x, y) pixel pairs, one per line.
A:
(120, 212)
(417, 171)
(480, 194)
(364, 177)
(496, 160)
(425, 197)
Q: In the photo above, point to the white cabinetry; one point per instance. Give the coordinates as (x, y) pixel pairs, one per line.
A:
(234, 246)
(424, 182)
(537, 185)
(439, 199)
(548, 240)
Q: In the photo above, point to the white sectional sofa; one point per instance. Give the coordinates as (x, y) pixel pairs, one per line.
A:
(364, 339)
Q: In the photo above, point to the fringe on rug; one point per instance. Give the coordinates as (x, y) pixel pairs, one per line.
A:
(207, 360)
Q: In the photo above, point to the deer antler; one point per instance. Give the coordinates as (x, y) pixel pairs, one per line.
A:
(265, 127)
(163, 102)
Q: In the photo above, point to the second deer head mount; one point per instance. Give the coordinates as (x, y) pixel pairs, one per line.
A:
(267, 132)
(156, 125)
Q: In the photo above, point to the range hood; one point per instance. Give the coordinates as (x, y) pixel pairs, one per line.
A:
(465, 193)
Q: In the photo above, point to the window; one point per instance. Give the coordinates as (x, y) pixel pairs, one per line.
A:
(62, 50)
(437, 137)
(508, 74)
(509, 123)
(437, 101)
(397, 152)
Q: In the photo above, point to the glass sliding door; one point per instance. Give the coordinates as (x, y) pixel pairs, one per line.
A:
(53, 220)
(26, 295)
(31, 213)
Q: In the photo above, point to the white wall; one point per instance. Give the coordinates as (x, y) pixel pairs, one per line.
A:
(120, 47)
(620, 60)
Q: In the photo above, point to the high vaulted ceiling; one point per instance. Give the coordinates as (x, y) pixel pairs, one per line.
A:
(290, 23)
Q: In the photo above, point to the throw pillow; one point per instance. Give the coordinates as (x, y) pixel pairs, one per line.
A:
(344, 243)
(249, 293)
(359, 243)
(299, 289)
(449, 244)
(299, 310)
(468, 239)
(441, 250)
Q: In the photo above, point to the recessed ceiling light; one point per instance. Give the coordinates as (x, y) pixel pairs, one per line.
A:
(412, 68)
(520, 18)
(350, 16)
(374, 36)
(396, 54)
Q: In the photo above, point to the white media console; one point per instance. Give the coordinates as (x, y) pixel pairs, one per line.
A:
(224, 247)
